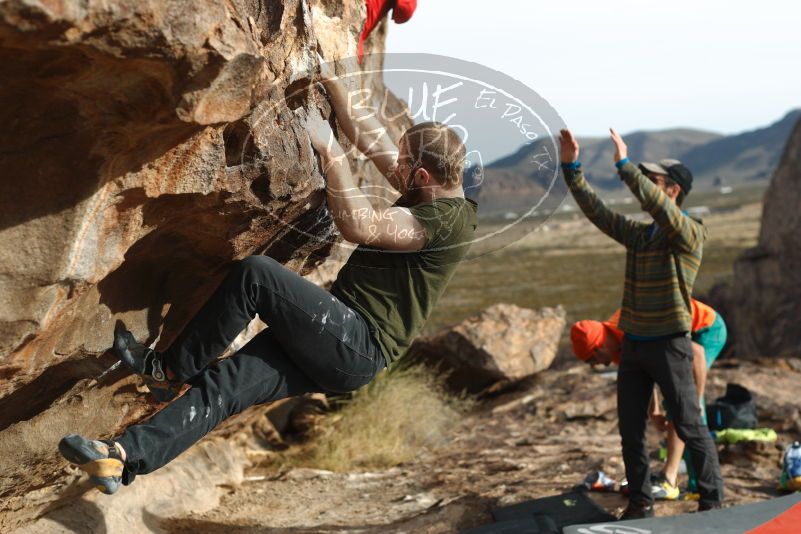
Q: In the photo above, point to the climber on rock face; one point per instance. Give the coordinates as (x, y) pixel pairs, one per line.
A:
(316, 341)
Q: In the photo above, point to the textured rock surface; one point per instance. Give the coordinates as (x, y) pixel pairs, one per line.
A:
(189, 485)
(762, 306)
(503, 342)
(145, 145)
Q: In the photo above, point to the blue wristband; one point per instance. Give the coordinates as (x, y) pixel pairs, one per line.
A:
(571, 166)
(622, 162)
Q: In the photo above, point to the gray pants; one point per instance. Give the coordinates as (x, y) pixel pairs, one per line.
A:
(314, 343)
(667, 362)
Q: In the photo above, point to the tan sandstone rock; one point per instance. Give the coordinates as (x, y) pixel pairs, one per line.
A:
(762, 307)
(189, 485)
(503, 342)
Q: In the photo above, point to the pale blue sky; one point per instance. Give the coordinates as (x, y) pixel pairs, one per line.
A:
(633, 64)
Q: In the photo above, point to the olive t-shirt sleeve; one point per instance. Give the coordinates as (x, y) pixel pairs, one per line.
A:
(429, 218)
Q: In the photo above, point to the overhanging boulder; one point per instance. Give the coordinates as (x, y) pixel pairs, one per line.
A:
(145, 146)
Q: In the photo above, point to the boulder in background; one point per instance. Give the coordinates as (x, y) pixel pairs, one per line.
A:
(503, 342)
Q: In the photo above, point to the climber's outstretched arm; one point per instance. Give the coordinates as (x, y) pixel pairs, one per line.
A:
(357, 118)
(392, 228)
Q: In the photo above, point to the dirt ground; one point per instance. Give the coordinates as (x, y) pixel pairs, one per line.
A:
(539, 438)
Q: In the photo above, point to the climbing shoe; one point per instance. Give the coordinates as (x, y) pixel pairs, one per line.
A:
(707, 506)
(100, 459)
(637, 511)
(664, 491)
(145, 362)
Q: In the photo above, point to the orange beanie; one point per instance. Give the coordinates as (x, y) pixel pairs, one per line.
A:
(587, 336)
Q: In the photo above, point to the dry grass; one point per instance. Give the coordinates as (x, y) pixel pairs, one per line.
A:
(386, 423)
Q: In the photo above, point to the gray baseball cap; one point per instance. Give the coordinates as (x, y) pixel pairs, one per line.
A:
(661, 167)
(672, 168)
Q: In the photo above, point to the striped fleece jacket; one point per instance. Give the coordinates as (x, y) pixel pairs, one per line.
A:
(662, 258)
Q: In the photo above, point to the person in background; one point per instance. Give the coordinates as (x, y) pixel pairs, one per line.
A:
(599, 343)
(662, 261)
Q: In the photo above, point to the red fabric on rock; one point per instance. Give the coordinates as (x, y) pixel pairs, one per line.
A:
(402, 11)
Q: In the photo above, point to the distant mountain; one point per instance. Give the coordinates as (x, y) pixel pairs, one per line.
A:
(510, 183)
(749, 156)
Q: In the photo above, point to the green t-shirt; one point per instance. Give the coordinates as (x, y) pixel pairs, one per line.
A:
(396, 291)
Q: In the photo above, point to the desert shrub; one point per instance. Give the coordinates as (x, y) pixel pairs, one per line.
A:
(388, 422)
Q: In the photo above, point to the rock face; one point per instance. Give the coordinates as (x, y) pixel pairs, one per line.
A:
(145, 145)
(189, 485)
(503, 342)
(762, 307)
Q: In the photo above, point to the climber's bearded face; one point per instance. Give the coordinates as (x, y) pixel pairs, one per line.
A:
(412, 178)
(411, 194)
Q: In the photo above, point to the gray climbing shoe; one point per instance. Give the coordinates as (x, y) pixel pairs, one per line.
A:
(145, 362)
(100, 459)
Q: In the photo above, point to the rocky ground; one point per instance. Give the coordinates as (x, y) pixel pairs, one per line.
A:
(536, 439)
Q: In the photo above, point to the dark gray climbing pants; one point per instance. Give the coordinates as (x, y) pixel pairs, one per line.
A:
(313, 343)
(668, 362)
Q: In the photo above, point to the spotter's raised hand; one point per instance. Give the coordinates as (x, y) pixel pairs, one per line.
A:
(568, 146)
(621, 150)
